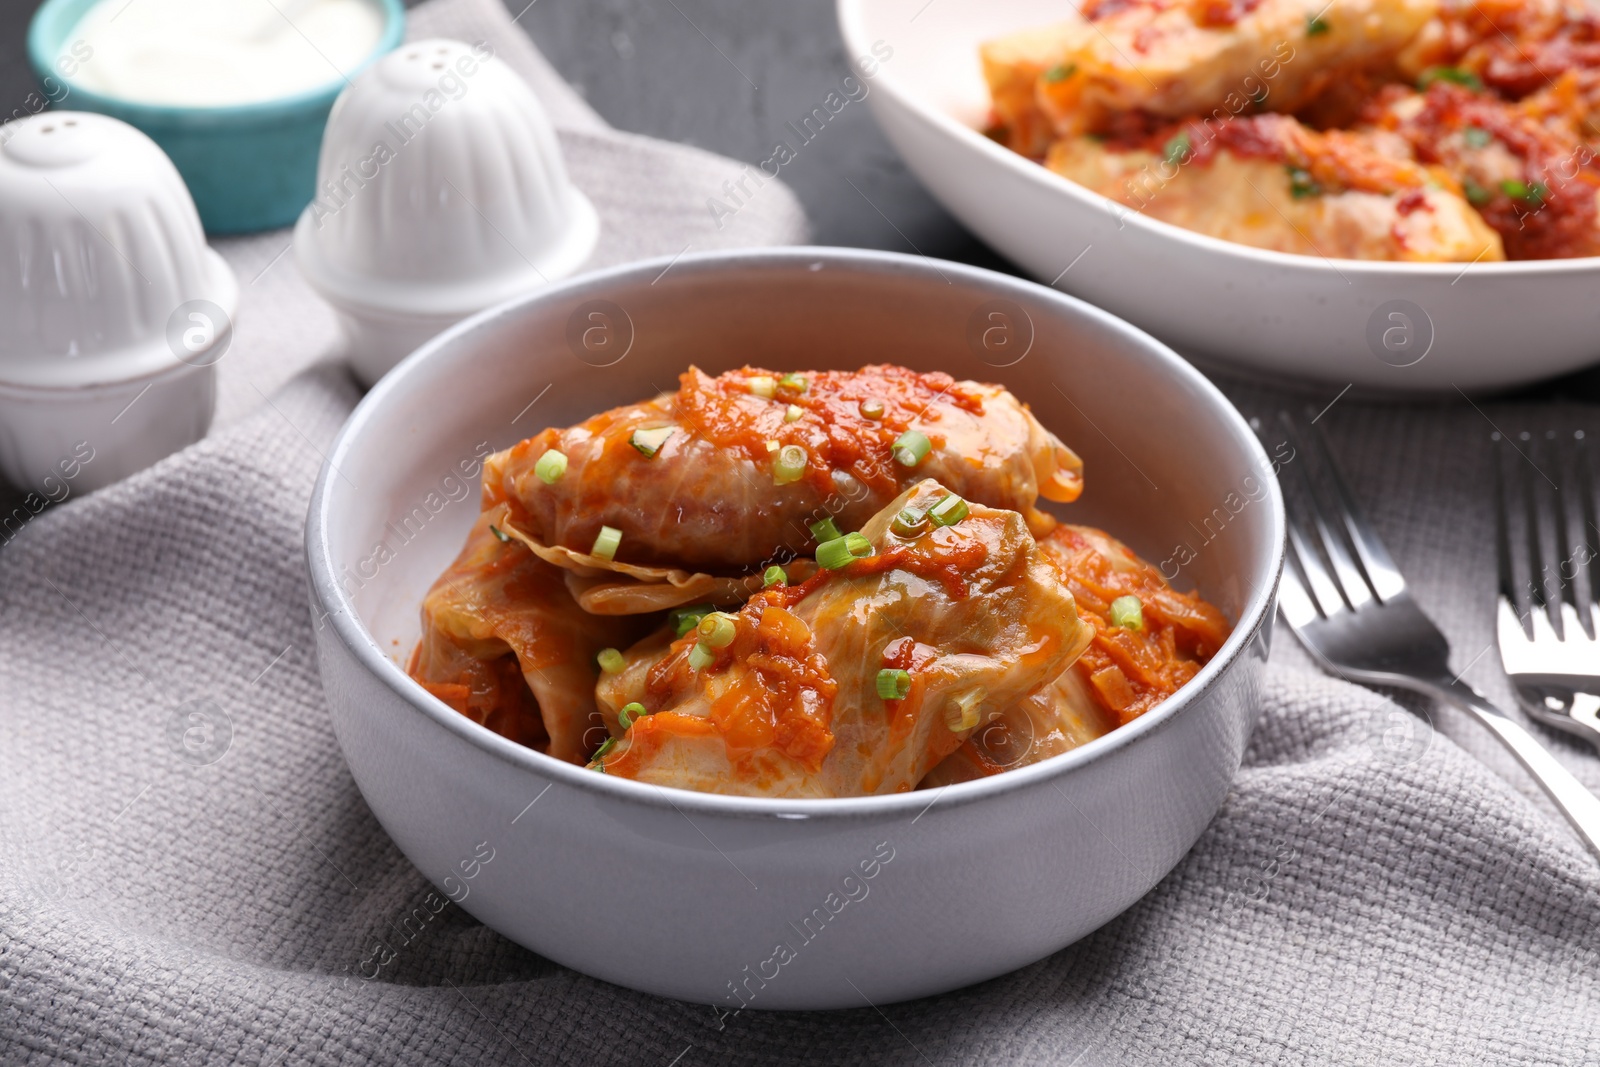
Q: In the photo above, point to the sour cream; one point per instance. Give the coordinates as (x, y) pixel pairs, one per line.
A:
(207, 53)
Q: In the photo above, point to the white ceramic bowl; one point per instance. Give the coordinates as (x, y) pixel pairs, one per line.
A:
(114, 309)
(441, 189)
(1470, 327)
(689, 895)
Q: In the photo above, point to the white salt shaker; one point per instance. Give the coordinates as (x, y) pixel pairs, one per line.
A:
(441, 190)
(114, 309)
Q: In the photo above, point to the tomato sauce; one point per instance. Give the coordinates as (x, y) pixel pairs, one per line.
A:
(781, 697)
(1131, 671)
(1333, 161)
(948, 567)
(1212, 14)
(1517, 48)
(833, 429)
(1550, 211)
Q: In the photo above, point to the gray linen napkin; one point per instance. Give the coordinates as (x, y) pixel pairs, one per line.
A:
(1350, 904)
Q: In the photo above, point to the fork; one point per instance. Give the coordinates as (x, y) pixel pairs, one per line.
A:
(1550, 651)
(1348, 603)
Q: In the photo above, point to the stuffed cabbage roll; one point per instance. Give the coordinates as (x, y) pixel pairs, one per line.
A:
(504, 644)
(729, 472)
(1181, 58)
(1514, 47)
(1012, 66)
(1133, 667)
(1142, 652)
(862, 679)
(1525, 166)
(1270, 182)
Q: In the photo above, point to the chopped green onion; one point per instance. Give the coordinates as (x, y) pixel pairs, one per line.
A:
(773, 446)
(630, 714)
(551, 466)
(1533, 193)
(762, 385)
(1456, 75)
(650, 441)
(831, 555)
(797, 382)
(1177, 150)
(962, 714)
(1476, 194)
(1060, 72)
(701, 657)
(683, 620)
(603, 751)
(1316, 26)
(1128, 613)
(793, 412)
(858, 545)
(948, 511)
(1476, 137)
(606, 542)
(909, 524)
(825, 530)
(911, 448)
(1301, 183)
(611, 660)
(893, 684)
(718, 629)
(774, 576)
(500, 535)
(789, 465)
(871, 409)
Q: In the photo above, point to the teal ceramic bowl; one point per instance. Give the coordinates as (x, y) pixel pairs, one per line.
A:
(249, 166)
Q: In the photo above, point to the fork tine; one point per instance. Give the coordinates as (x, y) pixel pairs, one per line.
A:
(1306, 589)
(1584, 476)
(1565, 577)
(1503, 539)
(1381, 572)
(1323, 589)
(1332, 526)
(1537, 593)
(1502, 529)
(1294, 599)
(1555, 457)
(1309, 543)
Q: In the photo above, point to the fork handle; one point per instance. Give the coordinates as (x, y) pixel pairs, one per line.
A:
(1580, 807)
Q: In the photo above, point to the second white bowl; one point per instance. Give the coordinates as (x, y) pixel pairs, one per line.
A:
(1403, 327)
